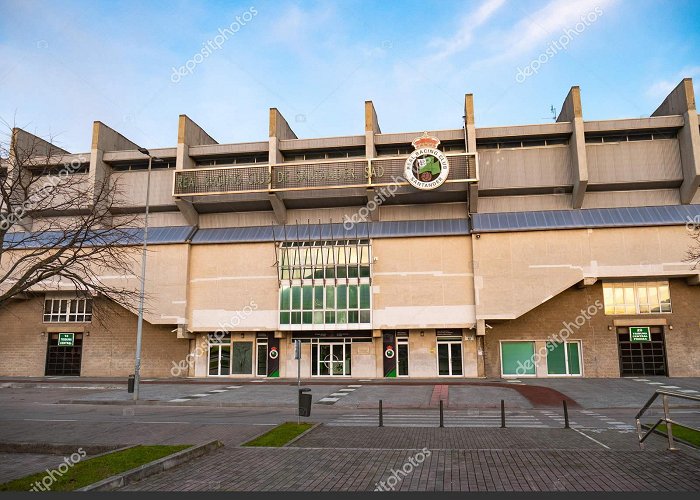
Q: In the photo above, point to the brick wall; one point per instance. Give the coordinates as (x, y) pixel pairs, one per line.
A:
(108, 350)
(599, 345)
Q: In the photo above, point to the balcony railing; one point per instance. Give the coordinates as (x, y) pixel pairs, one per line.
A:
(298, 176)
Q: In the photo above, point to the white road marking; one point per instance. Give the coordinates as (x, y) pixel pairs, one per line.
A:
(234, 386)
(328, 400)
(46, 420)
(338, 394)
(198, 395)
(589, 437)
(179, 400)
(670, 387)
(354, 386)
(218, 390)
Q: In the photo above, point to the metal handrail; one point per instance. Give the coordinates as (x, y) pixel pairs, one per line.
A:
(669, 423)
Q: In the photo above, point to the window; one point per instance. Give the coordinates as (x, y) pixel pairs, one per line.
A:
(637, 298)
(597, 138)
(143, 165)
(332, 154)
(76, 310)
(249, 159)
(324, 282)
(518, 358)
(563, 358)
(524, 143)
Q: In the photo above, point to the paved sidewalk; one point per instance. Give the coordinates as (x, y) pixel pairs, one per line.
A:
(296, 469)
(16, 465)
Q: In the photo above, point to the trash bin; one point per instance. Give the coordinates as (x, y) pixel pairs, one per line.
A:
(304, 402)
(130, 383)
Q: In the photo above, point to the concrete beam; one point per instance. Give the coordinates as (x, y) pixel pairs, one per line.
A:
(279, 131)
(373, 214)
(587, 282)
(188, 211)
(371, 129)
(681, 101)
(571, 112)
(279, 208)
(693, 280)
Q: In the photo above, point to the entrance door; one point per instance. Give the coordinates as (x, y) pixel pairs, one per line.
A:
(642, 358)
(333, 359)
(64, 354)
(449, 358)
(402, 357)
(242, 359)
(261, 358)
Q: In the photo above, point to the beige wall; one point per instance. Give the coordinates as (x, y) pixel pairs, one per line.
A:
(235, 285)
(515, 272)
(108, 350)
(422, 282)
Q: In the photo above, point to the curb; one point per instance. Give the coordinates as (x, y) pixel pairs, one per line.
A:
(151, 468)
(302, 434)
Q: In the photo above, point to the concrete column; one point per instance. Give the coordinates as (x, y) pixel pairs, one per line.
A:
(571, 112)
(279, 130)
(188, 134)
(24, 147)
(104, 139)
(470, 147)
(681, 101)
(371, 129)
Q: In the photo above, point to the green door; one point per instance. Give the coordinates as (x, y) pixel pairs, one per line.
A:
(518, 358)
(242, 362)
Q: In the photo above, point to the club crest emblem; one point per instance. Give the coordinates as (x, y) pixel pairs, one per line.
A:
(427, 167)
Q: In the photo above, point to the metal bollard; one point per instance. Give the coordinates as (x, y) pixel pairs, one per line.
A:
(442, 420)
(566, 415)
(381, 415)
(503, 414)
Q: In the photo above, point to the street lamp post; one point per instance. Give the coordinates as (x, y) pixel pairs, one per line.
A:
(142, 294)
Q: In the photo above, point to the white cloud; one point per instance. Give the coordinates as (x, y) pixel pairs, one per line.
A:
(463, 38)
(661, 88)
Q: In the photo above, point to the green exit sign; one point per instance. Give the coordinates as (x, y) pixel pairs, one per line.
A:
(640, 334)
(66, 339)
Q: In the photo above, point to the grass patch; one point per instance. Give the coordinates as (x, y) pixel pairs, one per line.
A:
(91, 470)
(681, 432)
(280, 435)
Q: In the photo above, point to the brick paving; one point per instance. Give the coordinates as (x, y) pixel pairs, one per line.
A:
(298, 469)
(16, 465)
(461, 438)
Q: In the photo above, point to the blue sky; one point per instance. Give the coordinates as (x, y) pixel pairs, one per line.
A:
(68, 63)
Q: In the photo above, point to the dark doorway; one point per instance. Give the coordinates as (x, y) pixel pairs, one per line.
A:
(64, 354)
(642, 358)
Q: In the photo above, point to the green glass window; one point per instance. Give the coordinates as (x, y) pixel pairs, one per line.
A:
(318, 297)
(307, 294)
(330, 297)
(518, 358)
(364, 297)
(296, 298)
(563, 358)
(285, 298)
(352, 297)
(342, 302)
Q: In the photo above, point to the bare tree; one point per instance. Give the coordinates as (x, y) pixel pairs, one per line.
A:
(57, 224)
(693, 254)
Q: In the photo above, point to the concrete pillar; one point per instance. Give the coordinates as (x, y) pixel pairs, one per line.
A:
(470, 147)
(188, 134)
(371, 129)
(104, 139)
(571, 112)
(25, 147)
(681, 101)
(279, 131)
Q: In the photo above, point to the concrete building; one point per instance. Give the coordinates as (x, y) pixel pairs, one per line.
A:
(554, 249)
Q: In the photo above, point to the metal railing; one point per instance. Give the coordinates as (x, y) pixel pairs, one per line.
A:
(669, 422)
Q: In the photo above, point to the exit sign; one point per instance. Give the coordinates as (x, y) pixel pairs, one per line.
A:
(640, 334)
(66, 339)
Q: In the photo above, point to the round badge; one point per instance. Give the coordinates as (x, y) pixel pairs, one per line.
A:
(427, 167)
(389, 353)
(274, 353)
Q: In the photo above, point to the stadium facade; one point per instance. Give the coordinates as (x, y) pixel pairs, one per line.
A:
(548, 250)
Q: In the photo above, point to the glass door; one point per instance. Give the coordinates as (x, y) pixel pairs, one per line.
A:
(333, 359)
(449, 358)
(402, 357)
(219, 359)
(261, 358)
(242, 362)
